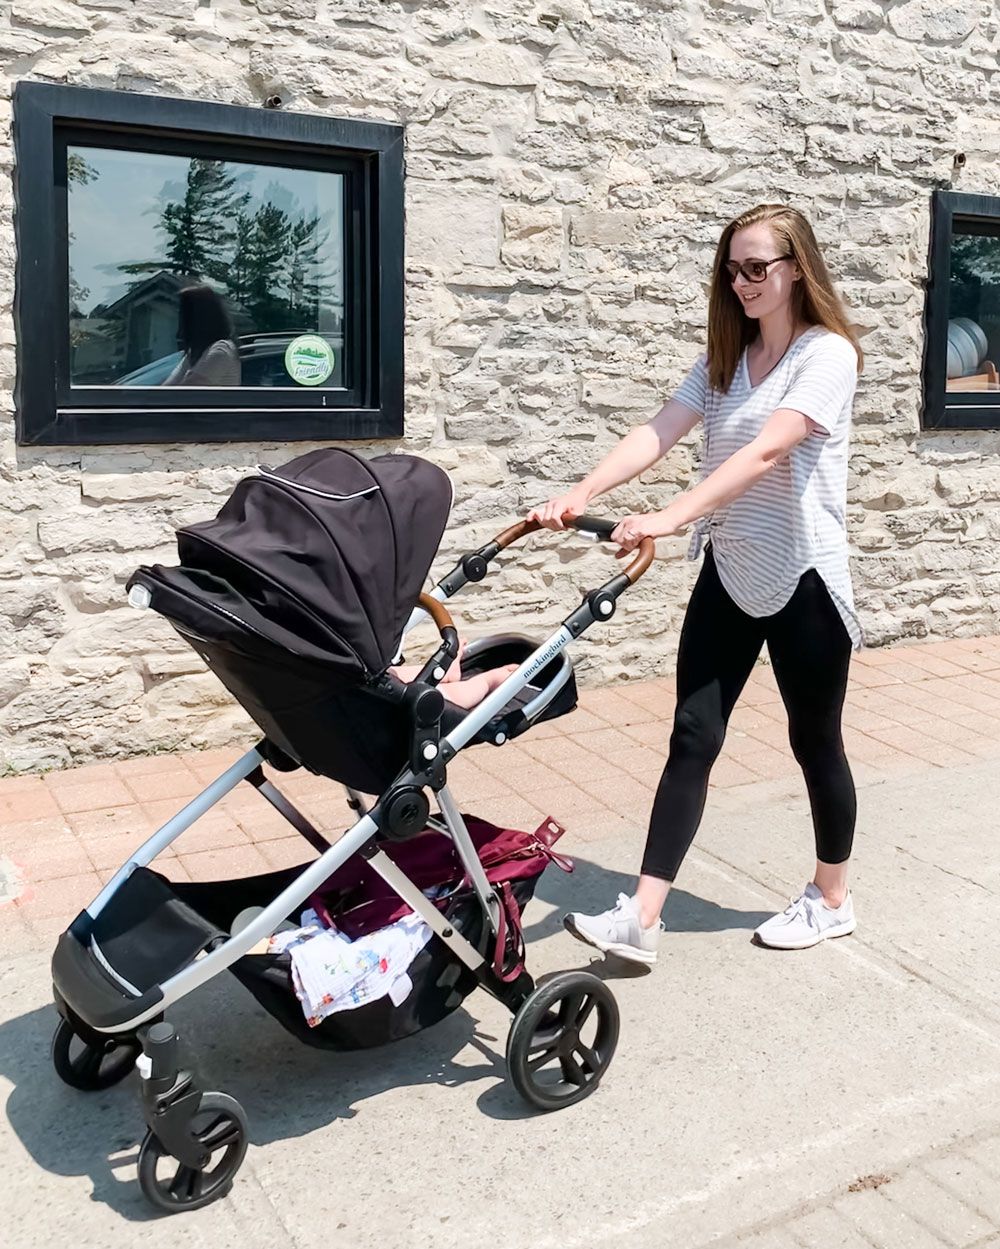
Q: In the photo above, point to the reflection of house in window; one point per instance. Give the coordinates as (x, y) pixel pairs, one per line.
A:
(138, 327)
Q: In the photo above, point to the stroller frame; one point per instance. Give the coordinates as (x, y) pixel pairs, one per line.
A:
(134, 1020)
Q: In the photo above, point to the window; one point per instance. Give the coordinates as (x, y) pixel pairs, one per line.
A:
(196, 273)
(962, 344)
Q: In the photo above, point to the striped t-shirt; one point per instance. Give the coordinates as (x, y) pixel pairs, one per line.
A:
(794, 518)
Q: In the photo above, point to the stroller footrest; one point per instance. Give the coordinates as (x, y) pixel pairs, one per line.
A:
(109, 969)
(89, 992)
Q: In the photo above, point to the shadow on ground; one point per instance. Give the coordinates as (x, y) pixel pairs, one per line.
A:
(288, 1089)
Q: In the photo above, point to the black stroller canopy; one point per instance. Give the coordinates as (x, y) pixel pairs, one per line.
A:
(330, 549)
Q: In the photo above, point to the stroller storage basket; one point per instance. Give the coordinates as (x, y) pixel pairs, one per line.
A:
(441, 982)
(154, 927)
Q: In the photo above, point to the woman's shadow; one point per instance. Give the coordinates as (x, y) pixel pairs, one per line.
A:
(287, 1088)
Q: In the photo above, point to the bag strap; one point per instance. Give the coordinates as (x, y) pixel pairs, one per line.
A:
(509, 931)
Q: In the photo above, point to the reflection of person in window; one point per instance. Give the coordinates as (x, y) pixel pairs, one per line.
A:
(205, 335)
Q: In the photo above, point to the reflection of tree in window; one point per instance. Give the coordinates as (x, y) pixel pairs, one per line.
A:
(975, 260)
(267, 258)
(82, 174)
(198, 228)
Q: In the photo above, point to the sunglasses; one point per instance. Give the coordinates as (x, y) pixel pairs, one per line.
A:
(752, 270)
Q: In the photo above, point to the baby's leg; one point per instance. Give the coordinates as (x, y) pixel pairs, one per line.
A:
(406, 672)
(409, 672)
(473, 690)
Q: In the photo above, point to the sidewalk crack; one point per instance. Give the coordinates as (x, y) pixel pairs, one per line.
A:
(947, 871)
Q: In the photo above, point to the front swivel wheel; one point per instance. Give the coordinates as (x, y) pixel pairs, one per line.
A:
(220, 1127)
(562, 1040)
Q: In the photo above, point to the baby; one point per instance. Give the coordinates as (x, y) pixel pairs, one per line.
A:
(465, 693)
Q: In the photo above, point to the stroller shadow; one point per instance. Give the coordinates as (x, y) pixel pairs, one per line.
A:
(289, 1089)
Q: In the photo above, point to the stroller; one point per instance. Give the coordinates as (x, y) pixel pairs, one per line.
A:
(298, 596)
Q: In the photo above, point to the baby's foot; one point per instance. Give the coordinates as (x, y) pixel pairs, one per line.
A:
(454, 673)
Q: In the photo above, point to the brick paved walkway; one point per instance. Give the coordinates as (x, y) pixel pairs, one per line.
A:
(63, 834)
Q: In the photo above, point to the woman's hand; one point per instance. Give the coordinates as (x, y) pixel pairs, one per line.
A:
(631, 530)
(564, 507)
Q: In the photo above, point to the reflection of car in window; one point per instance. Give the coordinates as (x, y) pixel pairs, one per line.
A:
(262, 361)
(153, 374)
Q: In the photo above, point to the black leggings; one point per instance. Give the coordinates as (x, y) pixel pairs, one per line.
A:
(810, 652)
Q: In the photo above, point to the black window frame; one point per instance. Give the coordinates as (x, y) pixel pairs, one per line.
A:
(50, 412)
(942, 408)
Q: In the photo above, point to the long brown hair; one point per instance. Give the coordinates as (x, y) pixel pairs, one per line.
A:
(815, 300)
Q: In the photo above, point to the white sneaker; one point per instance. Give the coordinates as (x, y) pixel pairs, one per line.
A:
(617, 932)
(806, 921)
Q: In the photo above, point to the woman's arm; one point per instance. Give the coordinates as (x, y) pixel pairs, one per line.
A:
(783, 430)
(640, 449)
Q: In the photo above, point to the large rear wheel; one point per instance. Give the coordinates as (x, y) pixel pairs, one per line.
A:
(562, 1040)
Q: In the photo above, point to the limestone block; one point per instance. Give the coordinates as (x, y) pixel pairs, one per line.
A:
(602, 229)
(620, 393)
(533, 237)
(857, 14)
(479, 60)
(525, 183)
(32, 616)
(128, 532)
(59, 704)
(15, 676)
(132, 487)
(18, 43)
(483, 427)
(973, 485)
(469, 470)
(798, 10)
(454, 228)
(121, 633)
(50, 15)
(940, 21)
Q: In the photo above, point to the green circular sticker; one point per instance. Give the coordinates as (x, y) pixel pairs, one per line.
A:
(309, 360)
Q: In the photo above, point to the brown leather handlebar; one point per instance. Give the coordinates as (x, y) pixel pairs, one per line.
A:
(516, 532)
(643, 557)
(437, 612)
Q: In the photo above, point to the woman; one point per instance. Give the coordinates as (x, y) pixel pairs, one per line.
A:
(205, 335)
(774, 393)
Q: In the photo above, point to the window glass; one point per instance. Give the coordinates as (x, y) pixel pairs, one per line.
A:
(974, 307)
(187, 271)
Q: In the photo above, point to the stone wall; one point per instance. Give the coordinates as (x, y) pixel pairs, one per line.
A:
(569, 167)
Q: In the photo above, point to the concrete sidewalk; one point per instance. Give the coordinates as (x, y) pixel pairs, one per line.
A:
(838, 1097)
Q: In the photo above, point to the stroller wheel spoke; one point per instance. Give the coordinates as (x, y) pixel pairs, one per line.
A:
(545, 1056)
(572, 1071)
(544, 1040)
(186, 1184)
(591, 1062)
(570, 1008)
(220, 1133)
(589, 1005)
